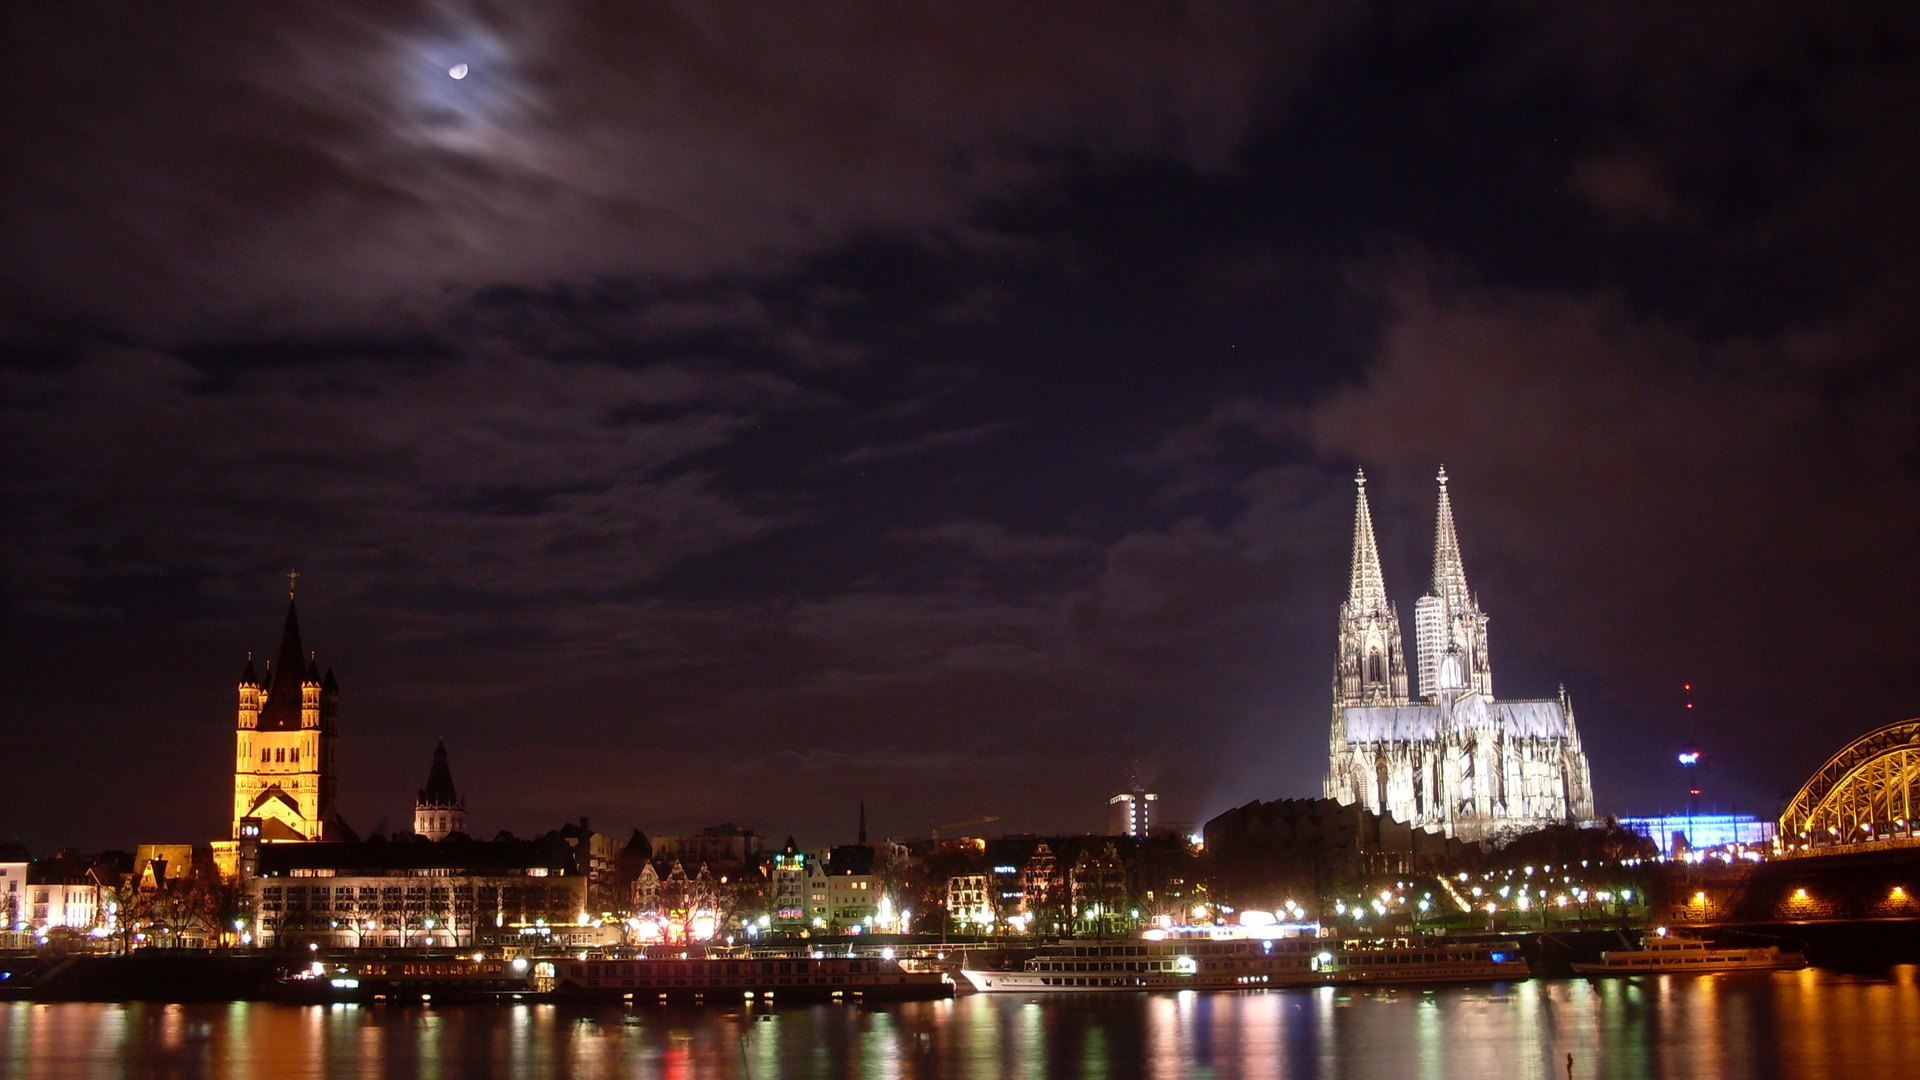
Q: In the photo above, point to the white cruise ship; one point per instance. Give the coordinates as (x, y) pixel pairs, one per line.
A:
(1665, 953)
(1205, 963)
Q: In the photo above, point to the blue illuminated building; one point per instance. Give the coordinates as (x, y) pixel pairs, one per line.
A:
(1701, 830)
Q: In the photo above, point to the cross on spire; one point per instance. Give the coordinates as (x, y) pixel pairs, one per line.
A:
(293, 579)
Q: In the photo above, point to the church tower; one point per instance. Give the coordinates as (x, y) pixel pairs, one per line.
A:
(439, 810)
(284, 782)
(1450, 630)
(1371, 669)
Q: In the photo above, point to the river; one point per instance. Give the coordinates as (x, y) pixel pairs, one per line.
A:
(1811, 1023)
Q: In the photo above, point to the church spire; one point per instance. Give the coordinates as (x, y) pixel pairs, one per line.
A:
(1449, 573)
(1372, 669)
(439, 790)
(1367, 590)
(439, 811)
(281, 709)
(1450, 630)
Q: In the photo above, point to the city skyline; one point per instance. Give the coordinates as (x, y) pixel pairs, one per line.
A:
(693, 418)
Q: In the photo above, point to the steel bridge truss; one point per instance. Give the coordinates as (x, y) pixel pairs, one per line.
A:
(1868, 792)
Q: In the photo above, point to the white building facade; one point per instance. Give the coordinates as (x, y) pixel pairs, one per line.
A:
(1449, 756)
(13, 900)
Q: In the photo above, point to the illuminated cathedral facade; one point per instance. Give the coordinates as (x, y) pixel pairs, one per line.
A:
(1431, 745)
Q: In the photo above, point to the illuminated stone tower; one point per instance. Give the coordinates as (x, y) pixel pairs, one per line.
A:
(1450, 630)
(283, 773)
(1371, 668)
(439, 810)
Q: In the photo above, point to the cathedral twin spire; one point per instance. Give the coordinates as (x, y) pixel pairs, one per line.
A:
(1449, 573)
(1367, 591)
(1372, 668)
(1450, 629)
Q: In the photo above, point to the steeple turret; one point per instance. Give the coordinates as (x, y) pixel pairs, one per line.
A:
(280, 711)
(1450, 631)
(1367, 587)
(1449, 573)
(439, 810)
(1372, 667)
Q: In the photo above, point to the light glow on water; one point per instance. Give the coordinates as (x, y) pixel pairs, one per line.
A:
(1808, 1023)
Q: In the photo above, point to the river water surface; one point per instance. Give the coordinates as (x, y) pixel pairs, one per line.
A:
(1811, 1023)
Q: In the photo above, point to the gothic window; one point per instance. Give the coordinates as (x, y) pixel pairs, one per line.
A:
(1380, 779)
(1373, 667)
(294, 755)
(280, 755)
(266, 755)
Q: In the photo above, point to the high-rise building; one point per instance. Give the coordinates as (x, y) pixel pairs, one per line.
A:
(284, 783)
(1453, 758)
(1133, 813)
(439, 810)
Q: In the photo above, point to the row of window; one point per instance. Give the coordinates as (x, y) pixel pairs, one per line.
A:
(618, 969)
(280, 754)
(1406, 958)
(721, 982)
(464, 900)
(426, 872)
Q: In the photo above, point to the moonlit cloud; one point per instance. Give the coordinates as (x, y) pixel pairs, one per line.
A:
(693, 403)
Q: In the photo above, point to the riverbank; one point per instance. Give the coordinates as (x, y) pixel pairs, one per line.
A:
(190, 975)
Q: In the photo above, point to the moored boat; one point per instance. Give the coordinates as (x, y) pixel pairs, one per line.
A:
(1138, 964)
(633, 978)
(1192, 963)
(450, 978)
(1414, 960)
(779, 978)
(1674, 953)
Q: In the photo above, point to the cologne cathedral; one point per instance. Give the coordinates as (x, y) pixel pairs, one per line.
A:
(1449, 756)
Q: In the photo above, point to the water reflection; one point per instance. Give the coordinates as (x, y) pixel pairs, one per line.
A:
(1800, 1024)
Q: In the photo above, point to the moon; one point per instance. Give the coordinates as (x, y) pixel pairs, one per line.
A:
(458, 71)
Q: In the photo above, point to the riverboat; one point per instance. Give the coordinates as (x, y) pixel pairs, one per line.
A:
(717, 978)
(1672, 953)
(1418, 960)
(1248, 964)
(451, 978)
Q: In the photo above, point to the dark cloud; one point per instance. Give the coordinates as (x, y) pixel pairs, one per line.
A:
(696, 415)
(994, 542)
(314, 163)
(922, 444)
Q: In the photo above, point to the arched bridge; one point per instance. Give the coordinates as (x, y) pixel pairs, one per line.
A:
(1866, 793)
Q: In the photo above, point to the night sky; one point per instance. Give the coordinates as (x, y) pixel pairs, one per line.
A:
(730, 412)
